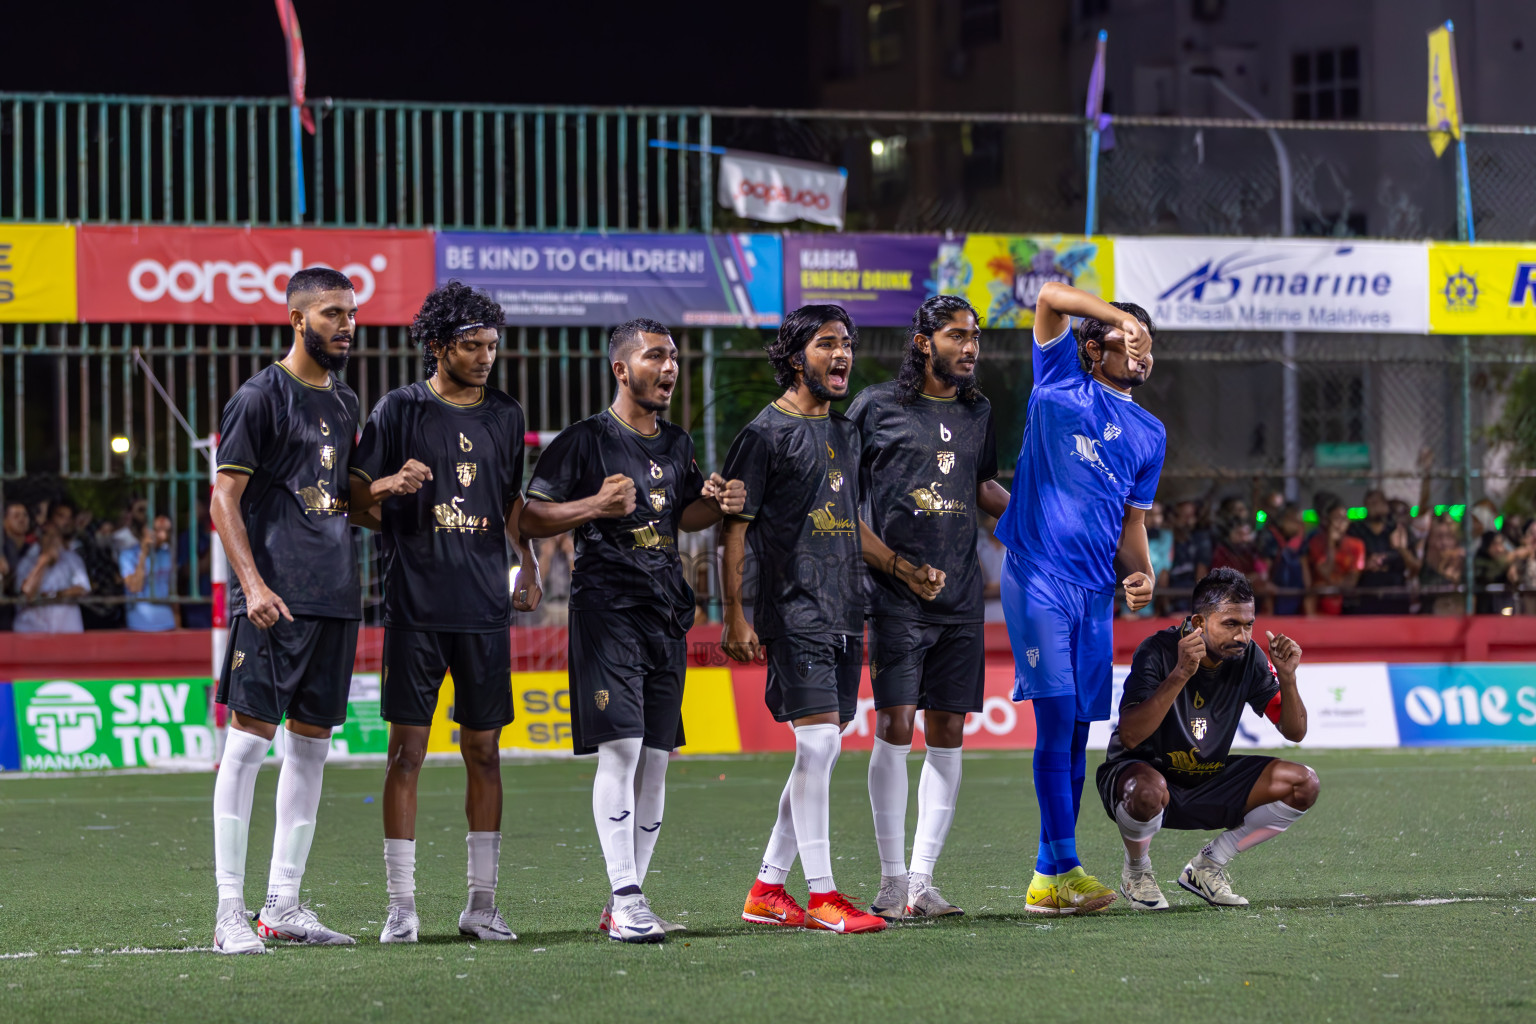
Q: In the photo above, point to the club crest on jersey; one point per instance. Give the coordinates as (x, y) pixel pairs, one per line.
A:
(944, 433)
(600, 698)
(659, 499)
(328, 456)
(835, 478)
(655, 471)
(465, 444)
(466, 471)
(237, 660)
(1111, 431)
(1088, 451)
(325, 429)
(1033, 656)
(946, 462)
(1197, 726)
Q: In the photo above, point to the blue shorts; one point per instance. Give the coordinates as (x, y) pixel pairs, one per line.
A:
(1062, 636)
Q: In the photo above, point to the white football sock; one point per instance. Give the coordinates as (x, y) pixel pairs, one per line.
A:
(233, 791)
(938, 791)
(650, 800)
(810, 799)
(298, 802)
(782, 848)
(484, 861)
(400, 872)
(1261, 823)
(613, 808)
(888, 799)
(1137, 836)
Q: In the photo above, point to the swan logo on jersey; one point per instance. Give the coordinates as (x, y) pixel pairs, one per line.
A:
(1033, 654)
(466, 471)
(1198, 727)
(1088, 451)
(825, 520)
(946, 462)
(1111, 431)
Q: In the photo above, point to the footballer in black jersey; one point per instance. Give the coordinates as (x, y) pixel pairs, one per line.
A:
(928, 463)
(440, 466)
(280, 505)
(627, 483)
(1169, 761)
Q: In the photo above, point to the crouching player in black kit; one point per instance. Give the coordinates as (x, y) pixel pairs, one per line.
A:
(627, 483)
(1168, 760)
(442, 459)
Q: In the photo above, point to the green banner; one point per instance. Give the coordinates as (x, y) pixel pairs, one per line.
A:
(67, 725)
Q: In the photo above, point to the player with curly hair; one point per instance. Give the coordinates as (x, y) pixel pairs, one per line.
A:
(440, 468)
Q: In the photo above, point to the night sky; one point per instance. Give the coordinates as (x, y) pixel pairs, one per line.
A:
(664, 53)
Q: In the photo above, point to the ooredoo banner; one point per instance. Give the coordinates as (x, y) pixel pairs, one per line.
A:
(239, 275)
(777, 190)
(1257, 284)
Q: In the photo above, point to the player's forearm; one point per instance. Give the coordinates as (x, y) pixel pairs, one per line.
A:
(992, 498)
(878, 556)
(701, 514)
(1064, 300)
(549, 518)
(1135, 552)
(1293, 713)
(363, 503)
(732, 558)
(1141, 721)
(225, 513)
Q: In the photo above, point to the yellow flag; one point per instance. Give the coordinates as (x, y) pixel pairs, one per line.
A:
(1444, 100)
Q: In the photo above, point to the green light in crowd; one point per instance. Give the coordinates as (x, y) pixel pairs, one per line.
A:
(1261, 517)
(1457, 511)
(1498, 524)
(1414, 511)
(1309, 515)
(1440, 509)
(1357, 513)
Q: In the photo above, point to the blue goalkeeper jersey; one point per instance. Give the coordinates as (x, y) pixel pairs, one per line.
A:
(1089, 451)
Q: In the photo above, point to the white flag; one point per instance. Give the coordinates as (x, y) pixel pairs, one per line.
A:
(770, 188)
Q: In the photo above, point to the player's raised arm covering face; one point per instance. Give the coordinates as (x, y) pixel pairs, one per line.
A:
(1121, 356)
(323, 311)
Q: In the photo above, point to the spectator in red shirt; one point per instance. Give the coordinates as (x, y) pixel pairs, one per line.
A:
(1336, 560)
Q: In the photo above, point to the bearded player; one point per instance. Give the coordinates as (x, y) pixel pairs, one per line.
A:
(1169, 763)
(799, 460)
(1087, 473)
(280, 507)
(626, 482)
(441, 464)
(928, 463)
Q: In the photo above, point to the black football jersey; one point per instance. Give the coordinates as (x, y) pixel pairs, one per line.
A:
(445, 551)
(919, 469)
(295, 441)
(1195, 737)
(802, 479)
(632, 561)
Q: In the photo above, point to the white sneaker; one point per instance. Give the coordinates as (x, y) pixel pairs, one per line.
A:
(891, 901)
(605, 921)
(1140, 888)
(633, 920)
(486, 924)
(925, 900)
(297, 923)
(1208, 880)
(401, 926)
(232, 932)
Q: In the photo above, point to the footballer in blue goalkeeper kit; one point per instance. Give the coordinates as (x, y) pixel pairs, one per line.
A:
(1087, 472)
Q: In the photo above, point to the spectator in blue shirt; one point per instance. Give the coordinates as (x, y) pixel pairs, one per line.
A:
(149, 571)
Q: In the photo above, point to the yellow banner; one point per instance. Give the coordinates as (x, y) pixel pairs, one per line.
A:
(1482, 289)
(37, 273)
(1444, 117)
(1001, 275)
(542, 703)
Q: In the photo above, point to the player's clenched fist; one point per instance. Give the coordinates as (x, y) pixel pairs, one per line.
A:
(1191, 650)
(925, 581)
(738, 639)
(408, 481)
(1138, 591)
(264, 608)
(616, 498)
(1284, 653)
(730, 495)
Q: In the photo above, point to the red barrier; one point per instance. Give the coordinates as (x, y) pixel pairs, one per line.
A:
(125, 655)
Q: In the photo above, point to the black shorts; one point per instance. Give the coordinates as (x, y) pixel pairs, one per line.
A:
(814, 674)
(626, 669)
(415, 663)
(1219, 801)
(936, 667)
(301, 669)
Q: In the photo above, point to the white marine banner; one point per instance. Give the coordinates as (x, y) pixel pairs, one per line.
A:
(769, 188)
(1272, 284)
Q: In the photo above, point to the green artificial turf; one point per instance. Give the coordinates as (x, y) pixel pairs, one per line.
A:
(89, 866)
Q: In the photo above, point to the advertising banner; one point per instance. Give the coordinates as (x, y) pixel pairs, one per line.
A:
(238, 275)
(1482, 289)
(879, 279)
(1002, 275)
(37, 273)
(1464, 705)
(67, 725)
(1255, 284)
(604, 280)
(760, 186)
